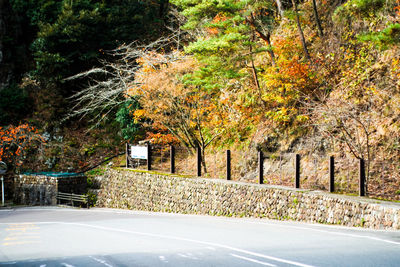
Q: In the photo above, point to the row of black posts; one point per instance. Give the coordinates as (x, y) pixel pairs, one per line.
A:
(261, 168)
(331, 173)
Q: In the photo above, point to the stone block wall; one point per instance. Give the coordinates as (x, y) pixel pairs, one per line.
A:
(42, 190)
(150, 191)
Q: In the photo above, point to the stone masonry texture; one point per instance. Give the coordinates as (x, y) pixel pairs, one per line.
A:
(149, 191)
(42, 190)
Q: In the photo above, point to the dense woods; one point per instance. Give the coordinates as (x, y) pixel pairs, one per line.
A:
(313, 77)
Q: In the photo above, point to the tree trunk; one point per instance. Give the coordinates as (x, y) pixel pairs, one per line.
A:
(255, 76)
(203, 158)
(302, 39)
(279, 5)
(317, 20)
(266, 38)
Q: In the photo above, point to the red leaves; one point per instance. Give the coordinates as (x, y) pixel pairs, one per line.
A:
(15, 140)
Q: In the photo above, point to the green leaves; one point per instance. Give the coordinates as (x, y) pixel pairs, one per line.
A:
(359, 9)
(14, 104)
(70, 34)
(130, 129)
(383, 39)
(216, 44)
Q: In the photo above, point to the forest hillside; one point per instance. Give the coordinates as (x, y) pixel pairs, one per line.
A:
(318, 78)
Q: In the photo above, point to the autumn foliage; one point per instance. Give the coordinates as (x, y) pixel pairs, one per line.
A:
(284, 76)
(15, 142)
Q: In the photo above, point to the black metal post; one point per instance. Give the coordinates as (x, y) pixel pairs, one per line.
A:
(172, 156)
(198, 161)
(297, 166)
(228, 165)
(331, 174)
(148, 157)
(260, 167)
(362, 177)
(127, 155)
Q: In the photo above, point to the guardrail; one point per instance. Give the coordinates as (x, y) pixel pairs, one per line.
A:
(72, 198)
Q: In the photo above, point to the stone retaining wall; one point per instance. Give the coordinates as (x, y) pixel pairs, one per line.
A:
(140, 190)
(42, 190)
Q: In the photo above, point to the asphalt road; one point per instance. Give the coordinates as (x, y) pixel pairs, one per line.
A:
(103, 237)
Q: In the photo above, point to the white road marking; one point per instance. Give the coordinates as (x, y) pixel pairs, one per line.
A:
(253, 260)
(162, 258)
(19, 237)
(209, 245)
(251, 222)
(193, 241)
(67, 265)
(188, 255)
(192, 256)
(211, 248)
(331, 232)
(101, 261)
(43, 265)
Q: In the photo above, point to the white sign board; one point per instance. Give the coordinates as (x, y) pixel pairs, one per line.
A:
(139, 152)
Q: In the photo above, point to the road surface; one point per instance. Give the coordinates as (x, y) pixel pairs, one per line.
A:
(70, 237)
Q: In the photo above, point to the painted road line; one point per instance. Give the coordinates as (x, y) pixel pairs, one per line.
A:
(17, 243)
(265, 223)
(163, 259)
(101, 261)
(187, 255)
(13, 238)
(205, 243)
(330, 232)
(193, 241)
(252, 260)
(20, 234)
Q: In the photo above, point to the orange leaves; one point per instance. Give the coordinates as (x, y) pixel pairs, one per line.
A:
(294, 68)
(288, 84)
(218, 18)
(162, 138)
(15, 140)
(213, 31)
(185, 111)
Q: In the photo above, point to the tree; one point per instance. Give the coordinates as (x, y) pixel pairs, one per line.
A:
(14, 104)
(15, 142)
(233, 34)
(316, 17)
(300, 30)
(131, 122)
(109, 83)
(189, 112)
(83, 29)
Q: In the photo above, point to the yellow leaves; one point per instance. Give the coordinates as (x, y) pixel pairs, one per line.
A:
(396, 69)
(139, 114)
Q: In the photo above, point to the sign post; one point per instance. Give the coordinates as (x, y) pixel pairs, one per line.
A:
(3, 170)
